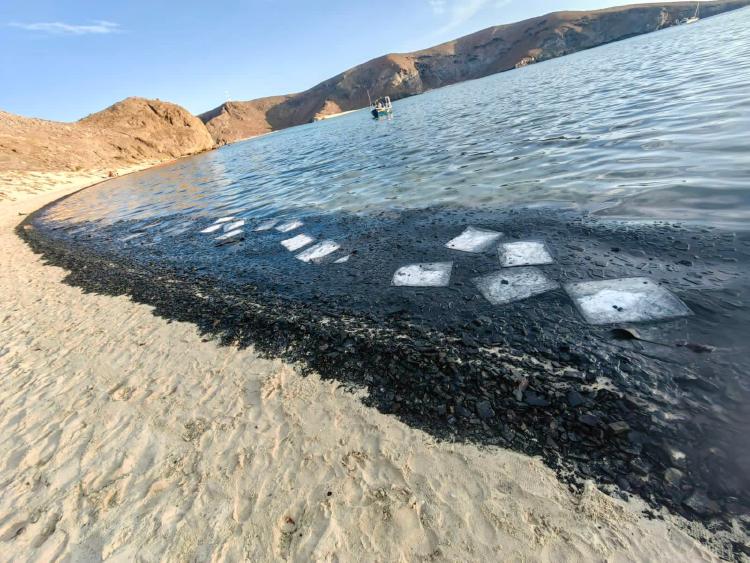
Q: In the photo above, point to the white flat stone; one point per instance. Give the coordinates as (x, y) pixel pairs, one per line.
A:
(131, 237)
(507, 286)
(474, 240)
(234, 226)
(295, 243)
(524, 253)
(625, 300)
(266, 225)
(212, 229)
(318, 251)
(224, 220)
(342, 259)
(289, 226)
(435, 274)
(237, 233)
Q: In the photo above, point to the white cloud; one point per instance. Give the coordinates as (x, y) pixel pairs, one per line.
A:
(438, 6)
(458, 12)
(61, 28)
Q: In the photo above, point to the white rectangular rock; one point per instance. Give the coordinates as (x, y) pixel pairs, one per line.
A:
(230, 236)
(234, 226)
(474, 240)
(295, 243)
(212, 229)
(289, 226)
(266, 225)
(435, 274)
(318, 251)
(507, 286)
(625, 300)
(524, 253)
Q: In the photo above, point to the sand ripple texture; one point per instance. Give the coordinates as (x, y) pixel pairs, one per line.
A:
(125, 437)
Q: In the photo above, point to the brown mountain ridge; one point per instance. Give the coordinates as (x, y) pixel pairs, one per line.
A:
(132, 131)
(138, 130)
(491, 50)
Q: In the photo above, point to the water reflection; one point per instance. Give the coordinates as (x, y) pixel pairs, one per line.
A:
(656, 124)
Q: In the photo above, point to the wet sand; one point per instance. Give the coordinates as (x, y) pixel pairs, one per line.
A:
(127, 436)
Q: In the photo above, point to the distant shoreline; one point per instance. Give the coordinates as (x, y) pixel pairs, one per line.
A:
(331, 116)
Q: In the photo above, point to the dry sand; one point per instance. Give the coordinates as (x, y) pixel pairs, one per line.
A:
(125, 437)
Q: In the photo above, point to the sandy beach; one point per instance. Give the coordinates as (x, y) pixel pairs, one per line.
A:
(126, 437)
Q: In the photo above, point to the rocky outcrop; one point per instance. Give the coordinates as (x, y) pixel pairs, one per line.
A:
(135, 130)
(240, 120)
(492, 50)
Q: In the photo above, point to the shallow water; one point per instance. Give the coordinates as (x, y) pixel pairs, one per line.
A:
(652, 127)
(627, 161)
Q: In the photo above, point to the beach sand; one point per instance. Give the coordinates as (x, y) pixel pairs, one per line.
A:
(126, 437)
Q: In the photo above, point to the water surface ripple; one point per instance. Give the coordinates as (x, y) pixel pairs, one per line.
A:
(652, 127)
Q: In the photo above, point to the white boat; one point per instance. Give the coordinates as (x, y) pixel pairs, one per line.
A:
(696, 16)
(382, 107)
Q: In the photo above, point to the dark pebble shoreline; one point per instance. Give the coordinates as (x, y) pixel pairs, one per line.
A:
(531, 376)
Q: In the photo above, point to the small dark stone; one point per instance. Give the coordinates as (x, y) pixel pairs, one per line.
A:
(699, 503)
(673, 476)
(574, 398)
(685, 262)
(640, 466)
(636, 437)
(619, 427)
(589, 420)
(681, 245)
(535, 400)
(625, 333)
(484, 410)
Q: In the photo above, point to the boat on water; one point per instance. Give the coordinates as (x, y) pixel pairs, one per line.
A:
(381, 107)
(695, 16)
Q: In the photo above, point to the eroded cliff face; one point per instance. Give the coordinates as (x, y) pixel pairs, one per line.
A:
(133, 131)
(492, 50)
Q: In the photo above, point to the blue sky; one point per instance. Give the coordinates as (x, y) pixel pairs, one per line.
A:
(65, 59)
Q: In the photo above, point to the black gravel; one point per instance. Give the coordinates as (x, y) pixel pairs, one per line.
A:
(658, 411)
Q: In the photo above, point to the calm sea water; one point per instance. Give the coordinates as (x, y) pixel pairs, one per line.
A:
(657, 126)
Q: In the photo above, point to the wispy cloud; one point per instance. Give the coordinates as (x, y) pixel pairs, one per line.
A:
(61, 28)
(457, 12)
(438, 6)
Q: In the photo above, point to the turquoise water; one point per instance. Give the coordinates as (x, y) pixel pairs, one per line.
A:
(652, 127)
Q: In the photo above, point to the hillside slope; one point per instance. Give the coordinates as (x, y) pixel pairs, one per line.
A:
(132, 131)
(485, 52)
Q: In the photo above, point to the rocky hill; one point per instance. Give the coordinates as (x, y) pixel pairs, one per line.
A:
(132, 131)
(486, 52)
(240, 120)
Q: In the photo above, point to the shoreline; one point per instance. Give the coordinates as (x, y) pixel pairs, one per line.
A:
(125, 430)
(385, 341)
